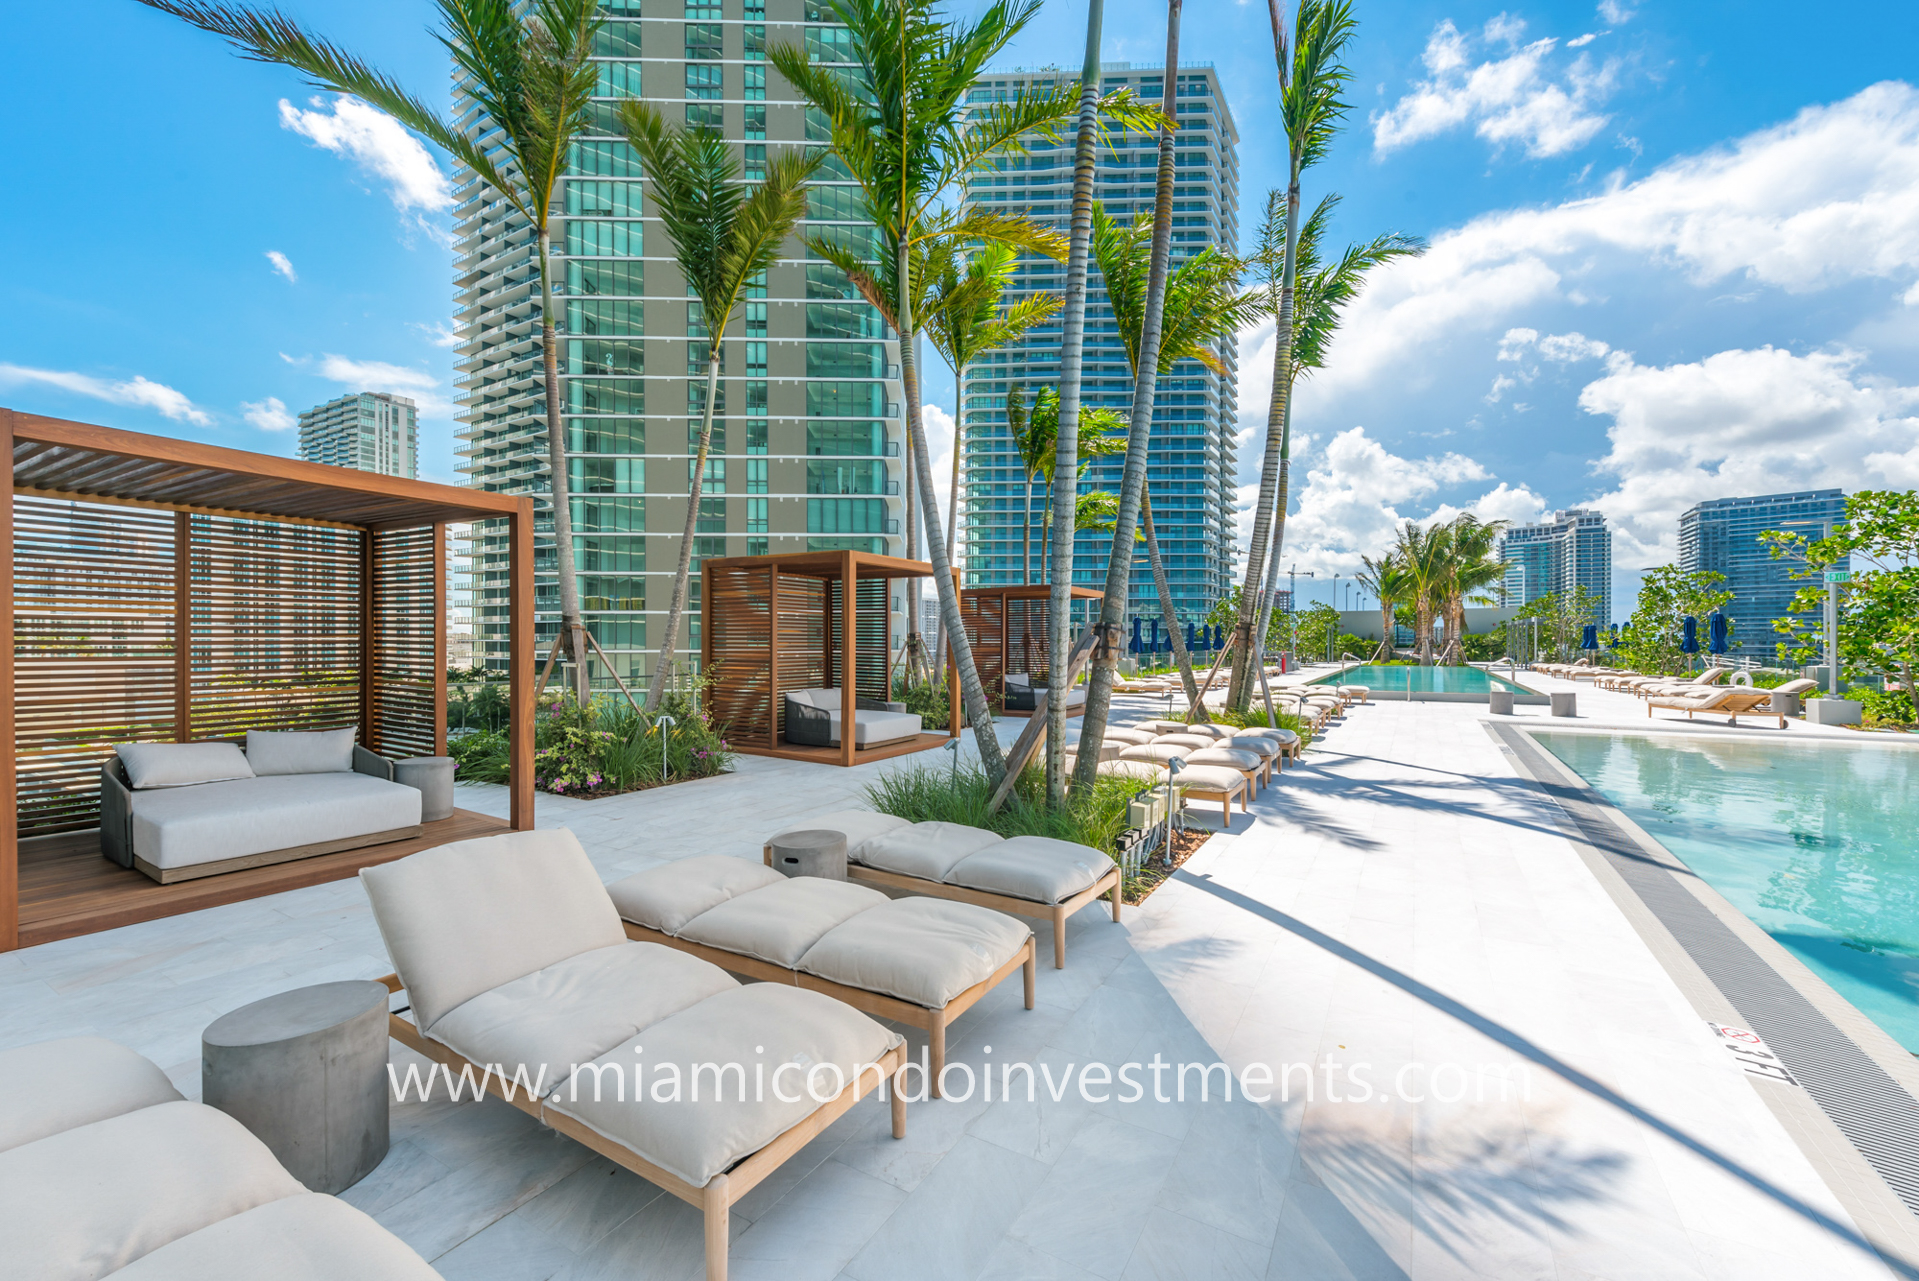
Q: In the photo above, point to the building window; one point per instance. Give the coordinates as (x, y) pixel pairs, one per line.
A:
(702, 82)
(756, 283)
(756, 478)
(705, 115)
(754, 170)
(757, 546)
(756, 123)
(756, 515)
(717, 443)
(696, 400)
(756, 320)
(753, 42)
(609, 515)
(712, 518)
(715, 481)
(756, 435)
(593, 475)
(846, 516)
(603, 239)
(756, 398)
(703, 10)
(755, 88)
(703, 41)
(756, 359)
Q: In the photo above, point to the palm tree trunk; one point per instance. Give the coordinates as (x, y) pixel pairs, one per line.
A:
(952, 504)
(1026, 531)
(911, 525)
(1139, 434)
(1265, 615)
(1059, 612)
(571, 626)
(669, 639)
(1181, 659)
(972, 696)
(1386, 625)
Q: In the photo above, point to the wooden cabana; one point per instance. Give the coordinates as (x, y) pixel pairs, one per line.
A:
(1006, 626)
(161, 590)
(772, 625)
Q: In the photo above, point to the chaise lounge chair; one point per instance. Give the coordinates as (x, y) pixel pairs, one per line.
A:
(1731, 702)
(1031, 876)
(813, 720)
(918, 961)
(515, 963)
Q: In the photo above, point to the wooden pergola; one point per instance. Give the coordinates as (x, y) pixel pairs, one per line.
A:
(774, 624)
(1007, 629)
(161, 590)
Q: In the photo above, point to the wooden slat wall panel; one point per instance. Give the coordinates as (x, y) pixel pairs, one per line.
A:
(402, 708)
(93, 649)
(738, 626)
(802, 624)
(871, 658)
(274, 614)
(982, 617)
(1026, 639)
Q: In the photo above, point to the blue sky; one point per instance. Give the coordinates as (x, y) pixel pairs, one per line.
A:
(1673, 248)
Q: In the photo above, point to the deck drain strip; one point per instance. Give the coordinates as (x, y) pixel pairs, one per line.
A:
(1870, 1108)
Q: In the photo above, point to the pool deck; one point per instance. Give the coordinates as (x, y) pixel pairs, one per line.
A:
(1404, 900)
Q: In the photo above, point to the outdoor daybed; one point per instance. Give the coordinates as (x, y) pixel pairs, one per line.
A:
(513, 958)
(1022, 696)
(1031, 876)
(813, 720)
(177, 811)
(105, 1171)
(918, 961)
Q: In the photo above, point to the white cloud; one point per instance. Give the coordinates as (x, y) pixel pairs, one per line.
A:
(938, 424)
(1513, 345)
(137, 391)
(1743, 422)
(282, 265)
(1580, 42)
(1562, 349)
(269, 414)
(1515, 98)
(1614, 12)
(377, 143)
(1827, 197)
(378, 375)
(439, 334)
(1501, 385)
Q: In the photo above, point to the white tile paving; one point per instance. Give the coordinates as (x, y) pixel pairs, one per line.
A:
(1403, 902)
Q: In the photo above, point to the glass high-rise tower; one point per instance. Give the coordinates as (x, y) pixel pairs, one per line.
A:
(806, 451)
(1192, 470)
(364, 430)
(1557, 556)
(1723, 535)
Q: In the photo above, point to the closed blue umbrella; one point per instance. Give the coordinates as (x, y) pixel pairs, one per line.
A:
(1689, 635)
(1135, 646)
(1219, 636)
(1590, 639)
(1718, 632)
(1189, 637)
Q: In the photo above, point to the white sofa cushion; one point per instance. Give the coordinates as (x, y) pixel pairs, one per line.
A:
(1227, 756)
(1262, 744)
(759, 1024)
(328, 751)
(1160, 752)
(1206, 729)
(1198, 742)
(181, 764)
(187, 826)
(1211, 778)
(465, 918)
(779, 923)
(923, 950)
(868, 727)
(1145, 771)
(666, 897)
(1129, 736)
(577, 1009)
(60, 1085)
(925, 850)
(1033, 867)
(87, 1202)
(308, 1237)
(859, 827)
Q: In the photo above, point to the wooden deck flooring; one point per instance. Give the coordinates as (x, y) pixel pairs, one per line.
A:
(67, 887)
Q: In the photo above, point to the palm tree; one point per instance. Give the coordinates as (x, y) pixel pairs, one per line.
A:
(1202, 307)
(1311, 79)
(1031, 446)
(1423, 552)
(724, 234)
(1471, 568)
(1102, 433)
(907, 138)
(1388, 581)
(526, 68)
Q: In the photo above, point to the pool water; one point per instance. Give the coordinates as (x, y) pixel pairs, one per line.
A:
(1423, 680)
(1816, 845)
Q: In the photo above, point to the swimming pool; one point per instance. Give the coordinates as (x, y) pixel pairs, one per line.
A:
(1815, 845)
(1422, 680)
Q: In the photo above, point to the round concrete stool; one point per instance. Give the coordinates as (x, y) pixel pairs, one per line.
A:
(433, 776)
(810, 853)
(306, 1072)
(1500, 702)
(1565, 703)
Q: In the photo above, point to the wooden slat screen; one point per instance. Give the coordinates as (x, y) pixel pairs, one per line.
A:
(871, 659)
(1026, 639)
(982, 617)
(401, 706)
(738, 628)
(274, 626)
(802, 624)
(93, 649)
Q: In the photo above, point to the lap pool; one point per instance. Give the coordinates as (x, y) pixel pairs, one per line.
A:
(1816, 845)
(1422, 680)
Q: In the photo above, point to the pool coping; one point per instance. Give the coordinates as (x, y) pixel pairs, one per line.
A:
(1881, 1215)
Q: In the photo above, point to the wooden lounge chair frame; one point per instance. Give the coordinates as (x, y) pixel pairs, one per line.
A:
(1107, 886)
(1225, 799)
(714, 1200)
(933, 1022)
(1733, 705)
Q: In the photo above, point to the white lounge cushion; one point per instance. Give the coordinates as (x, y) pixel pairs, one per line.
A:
(464, 918)
(187, 826)
(1033, 867)
(60, 1085)
(181, 764)
(871, 728)
(1231, 759)
(1157, 728)
(1207, 729)
(577, 1009)
(925, 850)
(779, 923)
(1157, 751)
(1130, 736)
(84, 1203)
(308, 1237)
(666, 897)
(923, 950)
(1258, 744)
(1198, 742)
(325, 752)
(1146, 771)
(1212, 778)
(858, 826)
(757, 1024)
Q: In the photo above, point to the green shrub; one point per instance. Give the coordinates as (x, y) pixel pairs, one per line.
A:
(926, 699)
(932, 794)
(603, 748)
(1254, 717)
(1884, 708)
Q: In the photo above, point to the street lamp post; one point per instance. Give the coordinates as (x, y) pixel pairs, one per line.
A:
(1292, 609)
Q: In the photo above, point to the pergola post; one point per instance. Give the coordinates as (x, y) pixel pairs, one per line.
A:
(952, 672)
(182, 626)
(520, 666)
(773, 697)
(849, 672)
(439, 636)
(10, 837)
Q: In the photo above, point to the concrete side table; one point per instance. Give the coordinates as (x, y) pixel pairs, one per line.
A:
(1785, 704)
(433, 776)
(305, 1071)
(1500, 702)
(1565, 703)
(815, 852)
